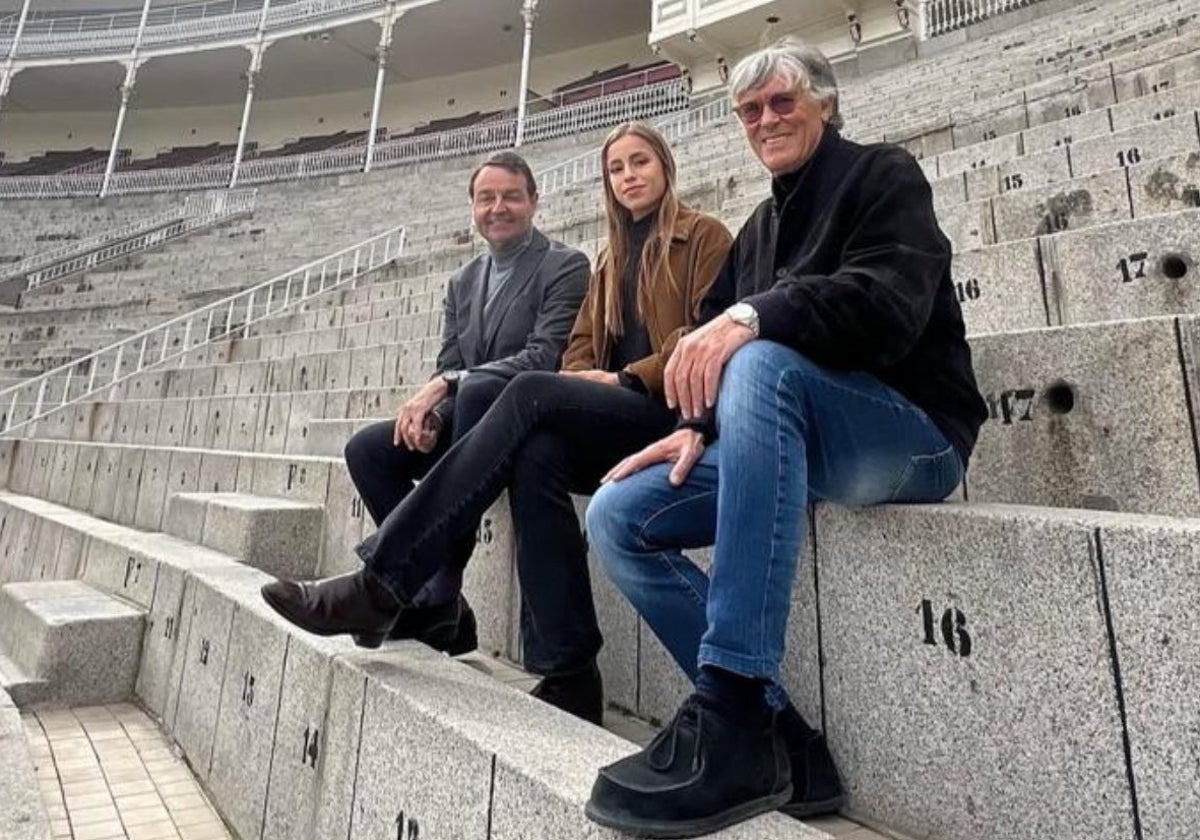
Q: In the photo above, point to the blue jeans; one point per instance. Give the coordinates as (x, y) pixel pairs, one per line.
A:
(789, 432)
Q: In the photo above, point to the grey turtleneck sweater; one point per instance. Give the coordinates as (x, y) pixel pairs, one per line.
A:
(502, 265)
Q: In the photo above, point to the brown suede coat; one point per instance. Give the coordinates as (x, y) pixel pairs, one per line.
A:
(699, 245)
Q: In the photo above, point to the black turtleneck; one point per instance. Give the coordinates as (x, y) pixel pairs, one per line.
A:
(634, 344)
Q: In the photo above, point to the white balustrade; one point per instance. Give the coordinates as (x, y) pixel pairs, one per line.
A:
(942, 16)
(589, 115)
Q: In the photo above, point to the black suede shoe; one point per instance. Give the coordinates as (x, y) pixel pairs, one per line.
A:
(701, 774)
(816, 788)
(580, 693)
(450, 628)
(355, 603)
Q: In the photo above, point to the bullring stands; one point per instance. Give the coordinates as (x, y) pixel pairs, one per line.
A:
(1016, 664)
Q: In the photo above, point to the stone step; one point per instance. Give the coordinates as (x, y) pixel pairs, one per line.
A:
(308, 731)
(17, 684)
(23, 814)
(279, 536)
(83, 643)
(329, 436)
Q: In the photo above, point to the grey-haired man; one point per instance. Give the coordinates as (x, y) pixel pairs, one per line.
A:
(831, 364)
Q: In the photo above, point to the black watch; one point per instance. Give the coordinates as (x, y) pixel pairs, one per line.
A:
(451, 378)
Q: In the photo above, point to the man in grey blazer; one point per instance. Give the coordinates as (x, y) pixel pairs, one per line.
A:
(508, 310)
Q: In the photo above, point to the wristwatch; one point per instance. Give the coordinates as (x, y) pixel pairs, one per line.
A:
(744, 314)
(452, 378)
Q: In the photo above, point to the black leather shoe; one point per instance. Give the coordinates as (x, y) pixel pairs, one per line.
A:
(580, 693)
(450, 628)
(701, 774)
(354, 603)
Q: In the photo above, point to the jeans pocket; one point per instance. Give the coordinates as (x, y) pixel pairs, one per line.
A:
(929, 478)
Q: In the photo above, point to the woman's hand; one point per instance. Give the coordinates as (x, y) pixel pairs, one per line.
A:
(601, 376)
(683, 448)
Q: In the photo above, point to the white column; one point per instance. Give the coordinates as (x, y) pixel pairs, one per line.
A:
(131, 68)
(126, 95)
(529, 12)
(386, 24)
(12, 50)
(256, 56)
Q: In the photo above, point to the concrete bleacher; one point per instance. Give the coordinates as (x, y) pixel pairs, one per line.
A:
(1018, 663)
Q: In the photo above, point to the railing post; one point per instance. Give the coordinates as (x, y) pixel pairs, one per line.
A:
(249, 315)
(208, 329)
(92, 374)
(142, 355)
(8, 421)
(228, 320)
(41, 397)
(166, 344)
(67, 385)
(187, 341)
(117, 366)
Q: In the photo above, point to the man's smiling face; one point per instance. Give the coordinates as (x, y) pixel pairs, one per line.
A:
(783, 124)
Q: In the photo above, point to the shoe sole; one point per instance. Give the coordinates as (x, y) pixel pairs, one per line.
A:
(813, 809)
(365, 640)
(692, 828)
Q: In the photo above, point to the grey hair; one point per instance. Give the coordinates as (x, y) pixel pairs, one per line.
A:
(794, 61)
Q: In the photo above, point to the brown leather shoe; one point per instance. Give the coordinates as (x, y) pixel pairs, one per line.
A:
(354, 603)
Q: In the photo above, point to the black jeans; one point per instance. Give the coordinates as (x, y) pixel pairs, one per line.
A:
(545, 437)
(385, 473)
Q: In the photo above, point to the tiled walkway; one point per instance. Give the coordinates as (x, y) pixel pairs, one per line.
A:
(107, 773)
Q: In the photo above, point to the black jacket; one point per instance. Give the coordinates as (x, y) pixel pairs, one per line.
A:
(846, 264)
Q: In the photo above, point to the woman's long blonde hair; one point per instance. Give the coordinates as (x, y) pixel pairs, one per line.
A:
(655, 253)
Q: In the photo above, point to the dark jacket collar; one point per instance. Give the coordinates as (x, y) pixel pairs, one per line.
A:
(783, 187)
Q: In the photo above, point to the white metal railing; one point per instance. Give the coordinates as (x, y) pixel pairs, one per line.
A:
(941, 16)
(182, 24)
(589, 115)
(706, 111)
(36, 398)
(199, 211)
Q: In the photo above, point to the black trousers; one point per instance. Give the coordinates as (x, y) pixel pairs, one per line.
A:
(545, 437)
(384, 473)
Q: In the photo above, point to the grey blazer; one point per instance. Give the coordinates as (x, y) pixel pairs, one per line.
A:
(529, 321)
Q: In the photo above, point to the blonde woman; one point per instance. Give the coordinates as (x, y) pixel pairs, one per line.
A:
(549, 435)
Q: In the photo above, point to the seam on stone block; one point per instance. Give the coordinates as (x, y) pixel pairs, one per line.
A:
(362, 714)
(491, 798)
(287, 649)
(1096, 548)
(1187, 394)
(812, 530)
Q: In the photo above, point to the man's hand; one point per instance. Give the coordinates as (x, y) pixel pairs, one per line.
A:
(693, 373)
(601, 376)
(413, 415)
(683, 448)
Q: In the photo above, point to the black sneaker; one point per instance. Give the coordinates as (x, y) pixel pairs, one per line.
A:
(816, 788)
(450, 628)
(701, 774)
(580, 693)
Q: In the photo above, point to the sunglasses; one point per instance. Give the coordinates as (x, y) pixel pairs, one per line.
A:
(781, 103)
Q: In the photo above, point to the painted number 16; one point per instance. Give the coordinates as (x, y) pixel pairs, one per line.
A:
(953, 627)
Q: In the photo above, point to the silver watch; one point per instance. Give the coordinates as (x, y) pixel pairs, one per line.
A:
(744, 314)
